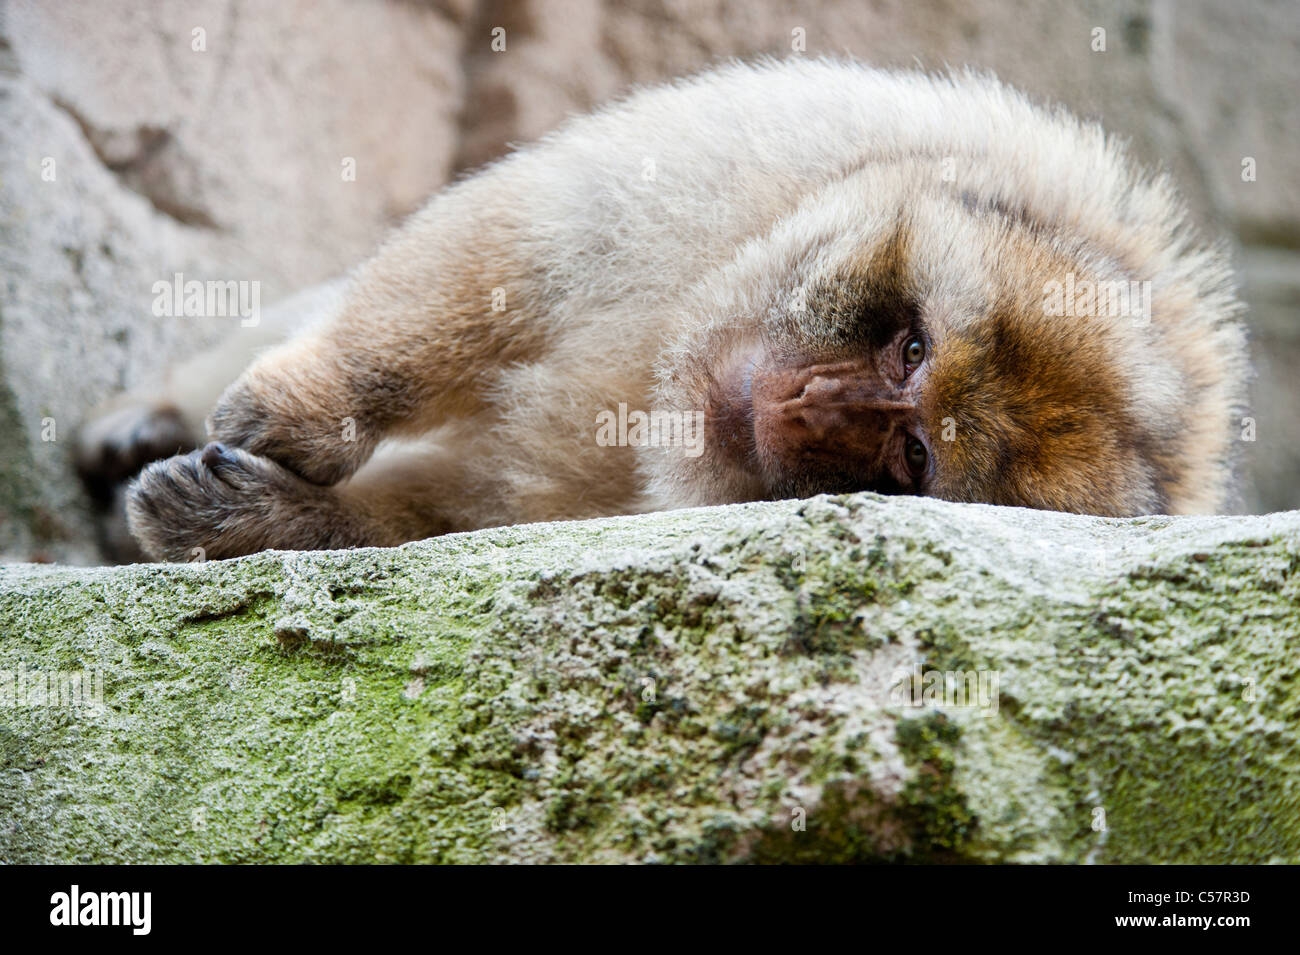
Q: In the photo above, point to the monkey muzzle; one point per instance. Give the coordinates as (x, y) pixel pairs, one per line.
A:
(846, 415)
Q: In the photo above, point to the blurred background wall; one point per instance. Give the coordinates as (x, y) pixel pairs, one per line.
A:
(141, 139)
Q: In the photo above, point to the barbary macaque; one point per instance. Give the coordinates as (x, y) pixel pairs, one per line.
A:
(767, 281)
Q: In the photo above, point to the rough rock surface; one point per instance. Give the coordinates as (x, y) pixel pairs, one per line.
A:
(225, 162)
(710, 685)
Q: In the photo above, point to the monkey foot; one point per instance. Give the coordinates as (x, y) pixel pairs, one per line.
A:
(115, 447)
(219, 502)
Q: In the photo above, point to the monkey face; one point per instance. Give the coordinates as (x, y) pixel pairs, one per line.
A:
(834, 422)
(898, 338)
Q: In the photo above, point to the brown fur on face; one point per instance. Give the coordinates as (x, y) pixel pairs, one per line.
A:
(1034, 424)
(1031, 409)
(1101, 413)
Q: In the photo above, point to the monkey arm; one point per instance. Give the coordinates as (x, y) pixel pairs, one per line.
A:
(423, 328)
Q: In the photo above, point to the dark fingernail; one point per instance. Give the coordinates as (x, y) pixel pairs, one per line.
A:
(214, 455)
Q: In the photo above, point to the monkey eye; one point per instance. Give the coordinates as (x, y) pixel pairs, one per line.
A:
(913, 353)
(917, 457)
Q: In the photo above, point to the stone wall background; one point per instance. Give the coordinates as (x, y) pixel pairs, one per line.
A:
(225, 162)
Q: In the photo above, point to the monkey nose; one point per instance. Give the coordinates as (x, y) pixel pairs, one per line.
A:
(855, 396)
(848, 425)
(850, 401)
(837, 408)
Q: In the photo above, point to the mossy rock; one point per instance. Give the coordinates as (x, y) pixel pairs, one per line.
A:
(713, 685)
